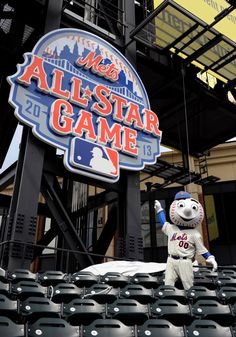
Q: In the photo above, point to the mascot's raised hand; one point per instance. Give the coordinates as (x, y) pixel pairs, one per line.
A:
(184, 240)
(157, 206)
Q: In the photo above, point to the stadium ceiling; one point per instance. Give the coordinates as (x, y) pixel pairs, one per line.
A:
(190, 98)
(190, 38)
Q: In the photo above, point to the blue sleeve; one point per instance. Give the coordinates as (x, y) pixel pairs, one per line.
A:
(206, 255)
(161, 217)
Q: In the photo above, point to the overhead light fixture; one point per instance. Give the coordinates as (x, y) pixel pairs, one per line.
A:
(71, 2)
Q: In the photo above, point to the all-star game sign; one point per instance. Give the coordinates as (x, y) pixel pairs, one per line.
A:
(80, 94)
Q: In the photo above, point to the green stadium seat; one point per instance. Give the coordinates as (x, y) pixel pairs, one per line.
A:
(196, 293)
(65, 292)
(114, 279)
(137, 292)
(8, 328)
(84, 279)
(51, 278)
(83, 311)
(18, 275)
(146, 280)
(24, 289)
(160, 328)
(227, 272)
(227, 295)
(128, 311)
(49, 327)
(102, 293)
(225, 280)
(202, 280)
(213, 310)
(177, 313)
(108, 328)
(171, 292)
(34, 308)
(207, 272)
(208, 328)
(8, 308)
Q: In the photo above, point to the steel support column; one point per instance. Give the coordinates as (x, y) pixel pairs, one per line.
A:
(130, 243)
(24, 205)
(21, 225)
(130, 239)
(107, 234)
(63, 221)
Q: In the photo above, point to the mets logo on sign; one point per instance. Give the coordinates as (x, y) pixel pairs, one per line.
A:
(81, 95)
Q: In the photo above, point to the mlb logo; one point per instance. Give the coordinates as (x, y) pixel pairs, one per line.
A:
(93, 157)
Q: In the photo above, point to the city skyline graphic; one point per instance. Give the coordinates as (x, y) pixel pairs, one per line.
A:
(66, 56)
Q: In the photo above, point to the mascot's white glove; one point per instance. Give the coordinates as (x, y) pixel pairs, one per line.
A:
(157, 206)
(211, 260)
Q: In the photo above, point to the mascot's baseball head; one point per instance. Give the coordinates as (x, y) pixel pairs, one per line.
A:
(186, 211)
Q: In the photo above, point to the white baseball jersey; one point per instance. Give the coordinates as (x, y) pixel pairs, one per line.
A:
(184, 242)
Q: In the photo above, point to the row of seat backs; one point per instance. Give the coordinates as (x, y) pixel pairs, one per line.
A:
(129, 311)
(48, 327)
(105, 293)
(225, 277)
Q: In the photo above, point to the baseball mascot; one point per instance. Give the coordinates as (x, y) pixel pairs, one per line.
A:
(184, 240)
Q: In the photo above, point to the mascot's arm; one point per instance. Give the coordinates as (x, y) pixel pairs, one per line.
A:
(160, 212)
(210, 259)
(201, 249)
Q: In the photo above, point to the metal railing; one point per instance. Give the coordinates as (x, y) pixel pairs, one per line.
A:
(65, 257)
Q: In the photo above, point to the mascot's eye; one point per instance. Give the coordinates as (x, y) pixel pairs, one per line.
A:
(181, 204)
(195, 207)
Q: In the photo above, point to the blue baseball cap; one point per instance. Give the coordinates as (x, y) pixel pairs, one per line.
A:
(182, 195)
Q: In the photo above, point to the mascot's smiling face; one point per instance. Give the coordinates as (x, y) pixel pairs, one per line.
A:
(186, 212)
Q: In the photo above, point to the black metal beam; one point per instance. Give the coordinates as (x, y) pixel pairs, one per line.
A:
(107, 234)
(148, 19)
(106, 17)
(203, 49)
(101, 199)
(63, 221)
(53, 15)
(183, 36)
(218, 18)
(7, 177)
(221, 65)
(44, 241)
(217, 64)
